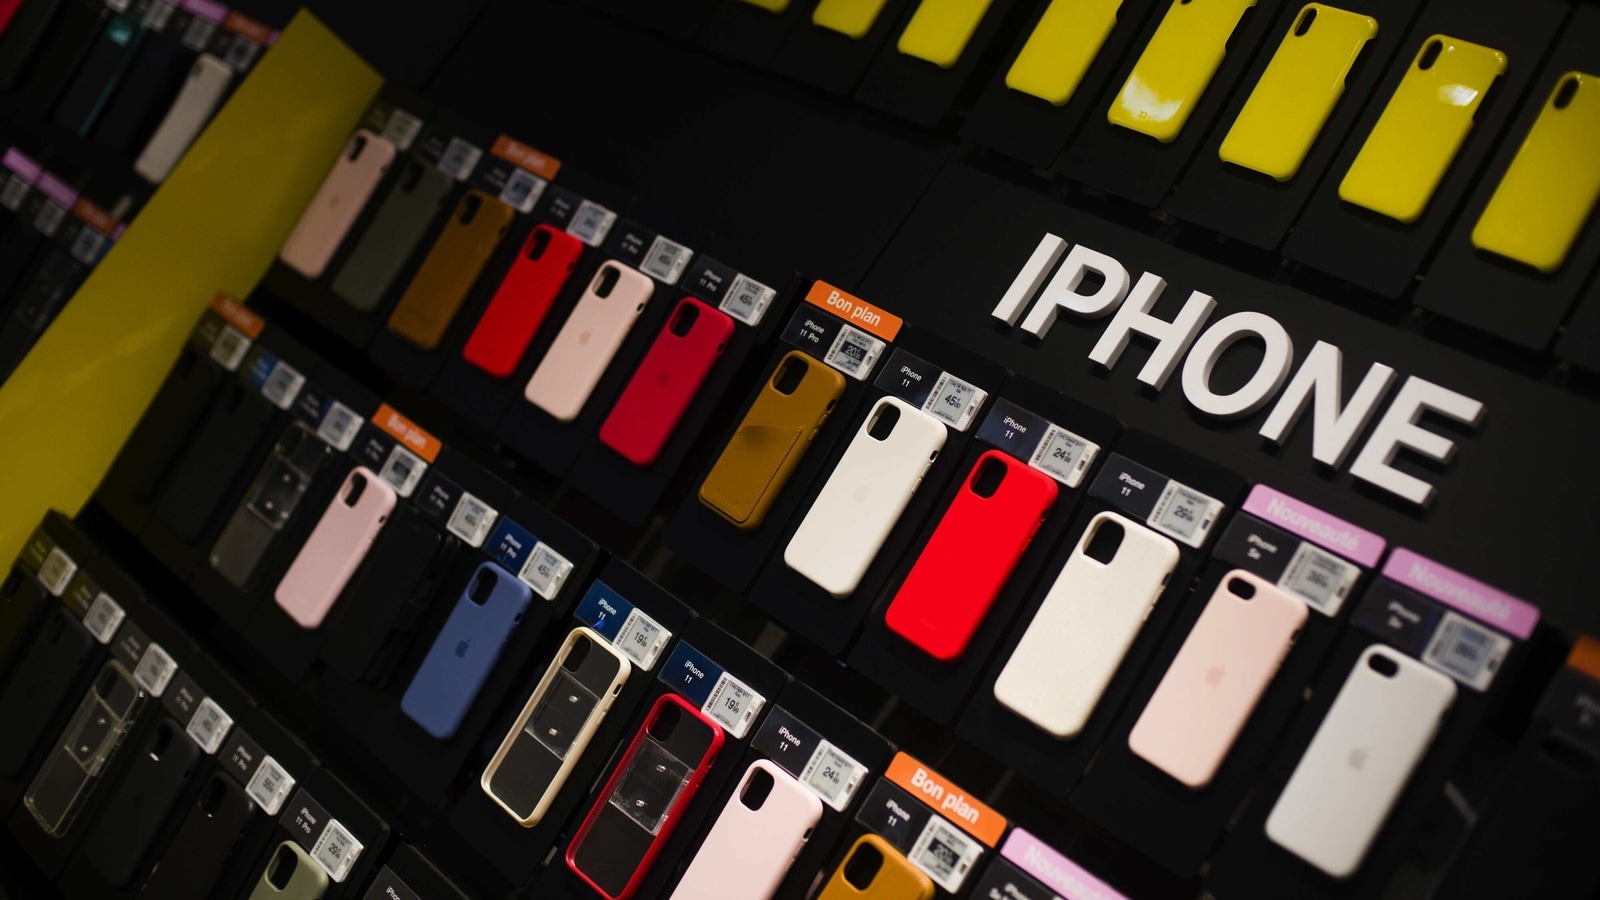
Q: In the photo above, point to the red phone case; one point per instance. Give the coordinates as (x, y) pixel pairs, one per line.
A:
(620, 858)
(522, 300)
(665, 382)
(971, 554)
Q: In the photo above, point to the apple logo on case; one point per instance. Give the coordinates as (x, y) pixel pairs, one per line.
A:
(862, 490)
(663, 378)
(583, 338)
(461, 648)
(1214, 675)
(1358, 758)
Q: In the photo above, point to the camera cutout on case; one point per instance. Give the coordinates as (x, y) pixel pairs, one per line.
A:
(1568, 90)
(883, 421)
(1241, 588)
(579, 652)
(281, 870)
(990, 475)
(789, 375)
(1103, 545)
(757, 787)
(1306, 18)
(605, 280)
(357, 147)
(538, 243)
(482, 586)
(211, 798)
(862, 868)
(358, 486)
(683, 318)
(1430, 54)
(470, 205)
(1383, 665)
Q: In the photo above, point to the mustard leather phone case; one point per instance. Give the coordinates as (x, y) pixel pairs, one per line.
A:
(1298, 91)
(1176, 66)
(1549, 191)
(940, 29)
(1058, 52)
(851, 18)
(1422, 128)
(771, 440)
(440, 286)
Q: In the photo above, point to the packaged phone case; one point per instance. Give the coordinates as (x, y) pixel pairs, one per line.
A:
(522, 300)
(395, 233)
(749, 849)
(465, 651)
(940, 29)
(972, 551)
(1061, 48)
(1176, 66)
(873, 870)
(272, 498)
(440, 286)
(335, 548)
(85, 748)
(588, 341)
(666, 381)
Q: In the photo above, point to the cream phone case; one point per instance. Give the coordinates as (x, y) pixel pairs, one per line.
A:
(555, 727)
(755, 839)
(208, 81)
(1363, 754)
(1218, 676)
(864, 497)
(335, 548)
(1084, 627)
(588, 340)
(329, 215)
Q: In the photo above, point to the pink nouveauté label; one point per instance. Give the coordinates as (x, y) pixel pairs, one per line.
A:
(209, 10)
(1463, 592)
(1054, 871)
(18, 162)
(57, 190)
(1316, 526)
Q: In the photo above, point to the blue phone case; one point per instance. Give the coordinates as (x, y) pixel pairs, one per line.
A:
(466, 650)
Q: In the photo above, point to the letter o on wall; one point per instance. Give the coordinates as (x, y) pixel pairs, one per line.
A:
(1262, 386)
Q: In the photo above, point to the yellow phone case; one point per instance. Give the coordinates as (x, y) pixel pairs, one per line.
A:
(1296, 94)
(1550, 189)
(1422, 128)
(1175, 67)
(939, 30)
(1058, 52)
(772, 6)
(851, 18)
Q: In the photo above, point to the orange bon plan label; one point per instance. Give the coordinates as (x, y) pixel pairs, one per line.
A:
(233, 312)
(408, 433)
(967, 813)
(855, 310)
(541, 164)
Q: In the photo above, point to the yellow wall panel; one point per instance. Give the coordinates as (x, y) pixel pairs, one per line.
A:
(214, 225)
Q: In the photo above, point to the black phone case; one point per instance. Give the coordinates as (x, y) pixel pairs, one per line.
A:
(214, 462)
(19, 246)
(21, 599)
(384, 604)
(615, 845)
(39, 686)
(80, 106)
(143, 799)
(204, 844)
(151, 83)
(62, 53)
(22, 39)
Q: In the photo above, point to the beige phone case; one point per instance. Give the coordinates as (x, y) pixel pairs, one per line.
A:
(1218, 676)
(588, 341)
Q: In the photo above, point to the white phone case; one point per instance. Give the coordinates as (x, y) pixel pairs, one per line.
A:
(208, 81)
(1364, 752)
(1084, 628)
(748, 851)
(863, 498)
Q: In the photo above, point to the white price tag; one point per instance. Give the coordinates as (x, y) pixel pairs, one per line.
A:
(269, 786)
(198, 34)
(283, 384)
(155, 670)
(402, 129)
(1318, 577)
(57, 570)
(523, 189)
(591, 223)
(339, 426)
(747, 299)
(119, 6)
(402, 470)
(853, 352)
(86, 246)
(1184, 513)
(641, 639)
(459, 159)
(955, 401)
(336, 850)
(155, 18)
(666, 260)
(734, 705)
(209, 725)
(105, 615)
(229, 348)
(945, 853)
(49, 218)
(1064, 456)
(545, 571)
(472, 520)
(833, 775)
(1466, 651)
(241, 54)
(15, 191)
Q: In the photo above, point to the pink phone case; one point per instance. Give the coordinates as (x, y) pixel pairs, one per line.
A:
(755, 839)
(1218, 676)
(329, 215)
(336, 547)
